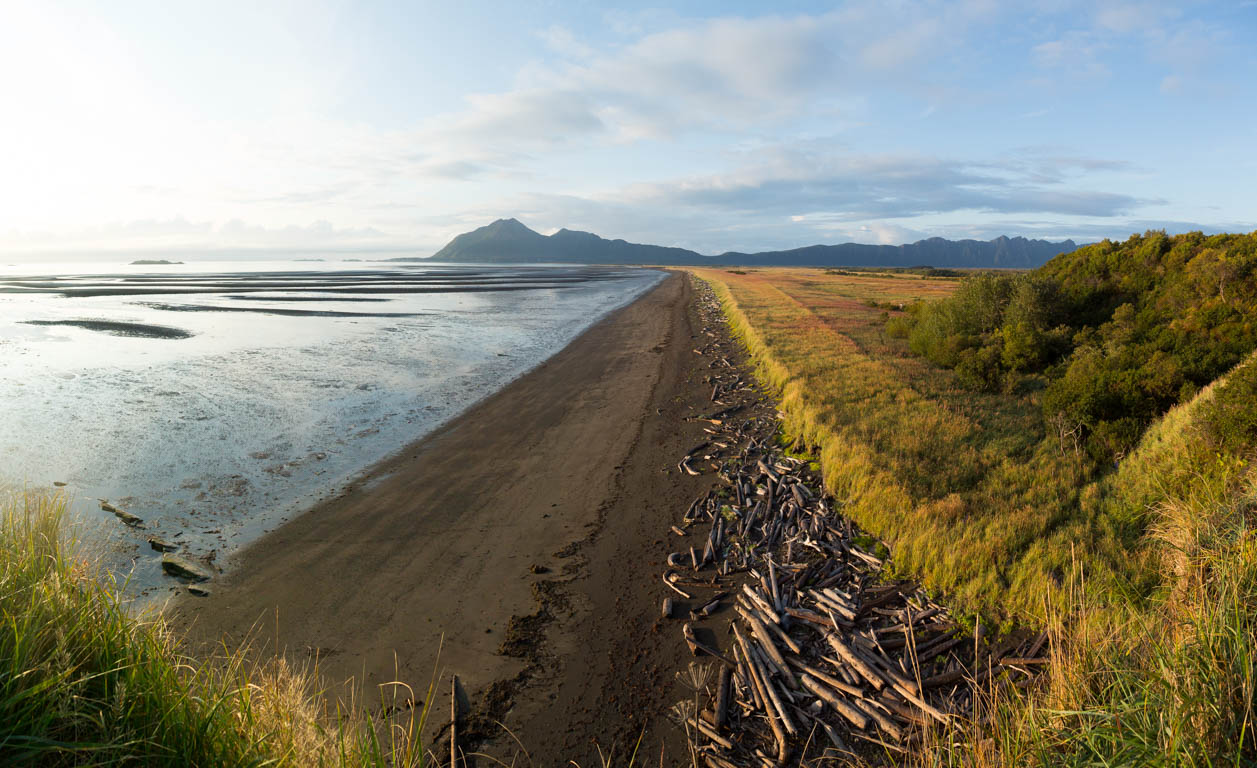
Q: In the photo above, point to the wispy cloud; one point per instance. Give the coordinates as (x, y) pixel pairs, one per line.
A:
(870, 121)
(891, 186)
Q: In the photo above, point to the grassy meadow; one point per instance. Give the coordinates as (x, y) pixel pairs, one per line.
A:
(83, 681)
(1145, 570)
(966, 486)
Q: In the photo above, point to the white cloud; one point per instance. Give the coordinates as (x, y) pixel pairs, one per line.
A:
(785, 124)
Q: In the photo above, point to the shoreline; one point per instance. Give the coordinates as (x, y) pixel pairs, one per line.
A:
(217, 438)
(443, 547)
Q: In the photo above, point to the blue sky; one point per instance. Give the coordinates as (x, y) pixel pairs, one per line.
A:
(225, 126)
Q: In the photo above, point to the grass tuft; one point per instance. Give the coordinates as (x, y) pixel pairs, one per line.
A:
(85, 682)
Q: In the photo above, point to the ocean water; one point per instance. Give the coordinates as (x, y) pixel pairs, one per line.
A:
(217, 399)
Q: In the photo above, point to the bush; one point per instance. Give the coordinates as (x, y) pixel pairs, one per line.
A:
(1230, 420)
(899, 326)
(1122, 332)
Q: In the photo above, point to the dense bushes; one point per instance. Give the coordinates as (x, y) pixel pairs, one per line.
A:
(1231, 419)
(1118, 332)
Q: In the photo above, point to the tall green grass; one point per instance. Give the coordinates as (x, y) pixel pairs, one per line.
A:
(1170, 683)
(85, 682)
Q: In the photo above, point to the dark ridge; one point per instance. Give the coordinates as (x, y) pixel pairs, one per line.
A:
(118, 328)
(507, 241)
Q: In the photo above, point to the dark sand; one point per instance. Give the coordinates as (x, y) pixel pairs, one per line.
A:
(568, 471)
(282, 311)
(120, 328)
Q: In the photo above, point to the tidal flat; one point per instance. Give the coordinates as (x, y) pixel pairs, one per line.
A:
(197, 398)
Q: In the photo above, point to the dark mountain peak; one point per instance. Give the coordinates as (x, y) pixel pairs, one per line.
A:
(506, 227)
(574, 234)
(509, 241)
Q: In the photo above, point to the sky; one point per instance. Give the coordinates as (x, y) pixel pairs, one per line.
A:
(324, 126)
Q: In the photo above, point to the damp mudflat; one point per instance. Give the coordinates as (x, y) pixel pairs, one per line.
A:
(214, 400)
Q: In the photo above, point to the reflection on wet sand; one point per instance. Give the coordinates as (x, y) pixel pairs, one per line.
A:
(118, 328)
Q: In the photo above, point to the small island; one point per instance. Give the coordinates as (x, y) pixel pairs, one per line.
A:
(154, 263)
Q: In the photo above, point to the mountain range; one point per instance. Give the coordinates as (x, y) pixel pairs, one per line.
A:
(507, 241)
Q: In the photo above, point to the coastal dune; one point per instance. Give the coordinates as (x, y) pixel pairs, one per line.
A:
(510, 547)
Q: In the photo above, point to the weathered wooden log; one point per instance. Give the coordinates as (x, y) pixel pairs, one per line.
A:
(902, 710)
(698, 724)
(946, 678)
(922, 705)
(773, 694)
(811, 617)
(721, 710)
(761, 604)
(747, 676)
(688, 632)
(674, 587)
(709, 607)
(855, 662)
(829, 680)
(853, 715)
(126, 517)
(883, 723)
(783, 748)
(753, 619)
(884, 668)
(939, 647)
(772, 582)
(715, 761)
(770, 648)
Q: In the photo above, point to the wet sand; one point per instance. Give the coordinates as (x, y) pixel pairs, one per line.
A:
(524, 539)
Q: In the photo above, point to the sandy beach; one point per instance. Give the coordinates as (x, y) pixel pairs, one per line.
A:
(522, 541)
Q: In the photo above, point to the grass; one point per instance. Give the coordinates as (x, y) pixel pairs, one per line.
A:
(1145, 574)
(1169, 681)
(85, 682)
(971, 493)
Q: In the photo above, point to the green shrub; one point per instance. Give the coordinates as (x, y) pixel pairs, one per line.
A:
(1121, 332)
(1231, 418)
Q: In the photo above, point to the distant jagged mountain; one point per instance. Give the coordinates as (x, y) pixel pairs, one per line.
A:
(507, 241)
(1002, 253)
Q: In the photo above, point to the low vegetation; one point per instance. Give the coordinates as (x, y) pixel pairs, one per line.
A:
(85, 682)
(1138, 554)
(1171, 681)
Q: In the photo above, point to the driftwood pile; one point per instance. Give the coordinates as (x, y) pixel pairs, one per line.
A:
(822, 653)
